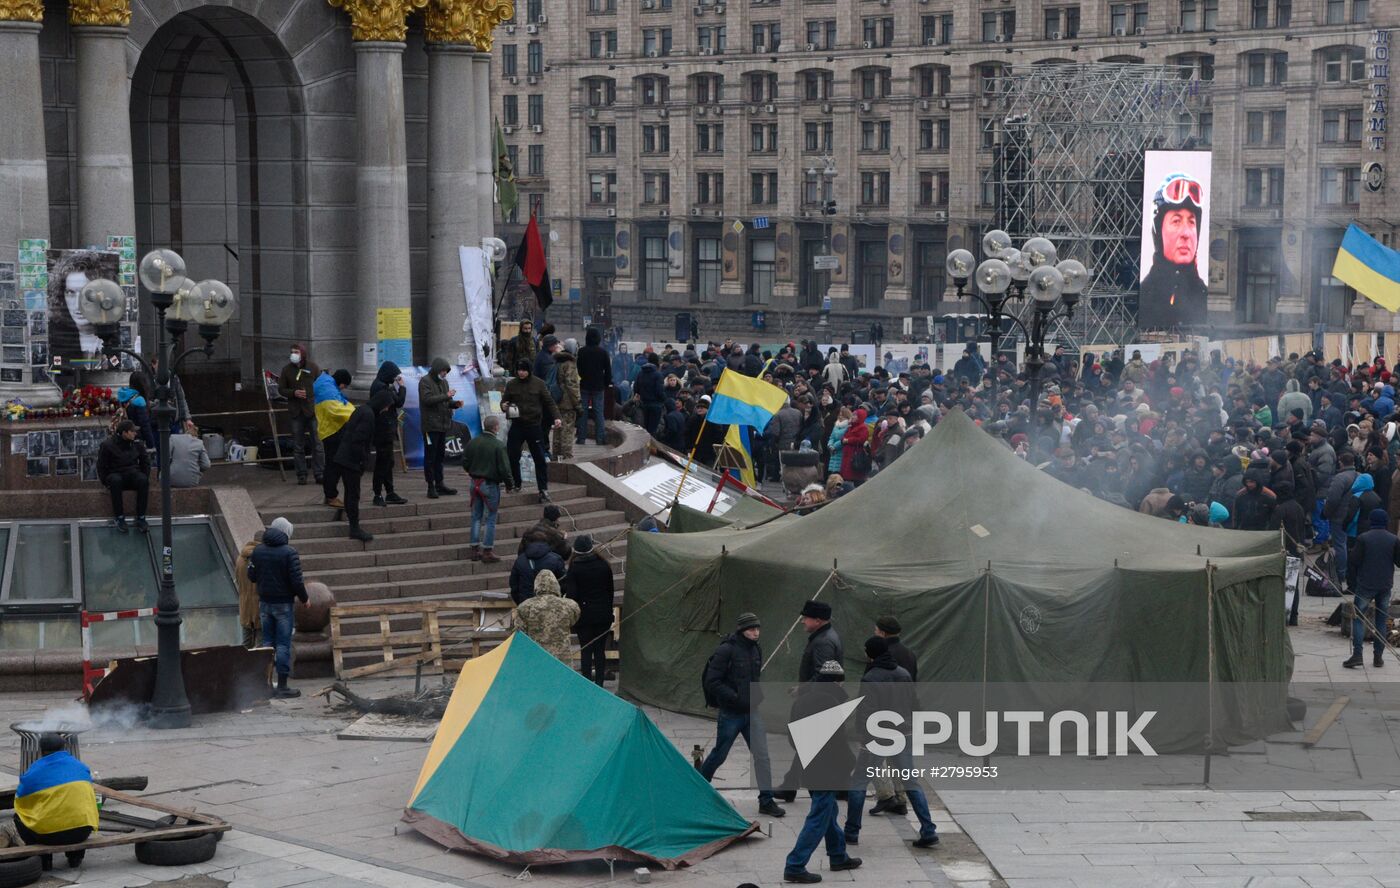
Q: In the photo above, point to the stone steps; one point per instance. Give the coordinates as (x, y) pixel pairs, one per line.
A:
(562, 494)
(373, 520)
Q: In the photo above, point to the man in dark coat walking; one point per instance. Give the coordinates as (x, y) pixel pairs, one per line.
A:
(823, 642)
(436, 401)
(1371, 576)
(589, 581)
(531, 410)
(834, 761)
(276, 569)
(352, 456)
(730, 680)
(386, 433)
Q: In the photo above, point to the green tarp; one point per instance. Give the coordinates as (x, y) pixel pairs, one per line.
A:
(997, 572)
(533, 763)
(746, 511)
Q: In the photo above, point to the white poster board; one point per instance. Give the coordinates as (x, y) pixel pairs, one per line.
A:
(658, 481)
(478, 328)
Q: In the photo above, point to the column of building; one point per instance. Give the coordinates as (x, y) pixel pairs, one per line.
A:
(382, 281)
(904, 192)
(106, 191)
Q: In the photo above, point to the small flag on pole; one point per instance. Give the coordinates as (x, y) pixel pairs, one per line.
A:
(530, 259)
(1369, 267)
(506, 195)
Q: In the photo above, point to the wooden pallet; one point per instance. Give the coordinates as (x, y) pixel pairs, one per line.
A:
(440, 636)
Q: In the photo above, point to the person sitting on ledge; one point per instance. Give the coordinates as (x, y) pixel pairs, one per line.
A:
(124, 464)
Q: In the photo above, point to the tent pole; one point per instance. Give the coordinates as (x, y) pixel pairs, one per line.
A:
(690, 460)
(986, 630)
(718, 488)
(1210, 670)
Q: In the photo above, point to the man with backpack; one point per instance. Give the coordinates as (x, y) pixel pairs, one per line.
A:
(730, 680)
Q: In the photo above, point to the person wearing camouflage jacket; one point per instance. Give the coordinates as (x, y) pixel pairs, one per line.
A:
(548, 617)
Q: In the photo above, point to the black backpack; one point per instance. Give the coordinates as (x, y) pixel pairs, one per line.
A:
(710, 700)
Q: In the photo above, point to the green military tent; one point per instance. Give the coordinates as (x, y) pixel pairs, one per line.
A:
(998, 573)
(533, 763)
(747, 511)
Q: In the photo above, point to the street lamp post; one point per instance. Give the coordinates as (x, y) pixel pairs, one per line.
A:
(179, 302)
(1008, 274)
(825, 184)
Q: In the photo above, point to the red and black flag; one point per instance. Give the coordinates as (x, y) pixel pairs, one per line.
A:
(529, 258)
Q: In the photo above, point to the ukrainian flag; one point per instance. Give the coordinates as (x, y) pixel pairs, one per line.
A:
(743, 400)
(738, 438)
(332, 409)
(1369, 267)
(56, 794)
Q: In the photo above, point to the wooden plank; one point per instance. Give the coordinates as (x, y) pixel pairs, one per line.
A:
(407, 663)
(1315, 733)
(200, 824)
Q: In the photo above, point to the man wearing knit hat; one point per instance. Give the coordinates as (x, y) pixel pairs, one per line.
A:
(276, 567)
(1371, 575)
(731, 683)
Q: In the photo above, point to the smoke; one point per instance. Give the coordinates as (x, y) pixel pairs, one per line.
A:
(76, 717)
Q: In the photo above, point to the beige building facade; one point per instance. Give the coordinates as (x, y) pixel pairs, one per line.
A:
(658, 137)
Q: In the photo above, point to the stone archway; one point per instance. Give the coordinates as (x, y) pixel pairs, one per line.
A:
(218, 142)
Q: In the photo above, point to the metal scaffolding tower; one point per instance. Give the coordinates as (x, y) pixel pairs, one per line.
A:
(1069, 142)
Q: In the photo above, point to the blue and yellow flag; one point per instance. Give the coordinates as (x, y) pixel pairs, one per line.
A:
(738, 439)
(1369, 267)
(743, 400)
(56, 794)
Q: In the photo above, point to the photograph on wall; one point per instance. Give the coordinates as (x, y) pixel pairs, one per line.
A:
(36, 468)
(65, 465)
(1175, 232)
(89, 467)
(71, 337)
(68, 441)
(11, 374)
(14, 354)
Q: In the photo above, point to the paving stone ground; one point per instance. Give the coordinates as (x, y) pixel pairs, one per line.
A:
(311, 810)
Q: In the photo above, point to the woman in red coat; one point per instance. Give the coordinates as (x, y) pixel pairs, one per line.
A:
(854, 441)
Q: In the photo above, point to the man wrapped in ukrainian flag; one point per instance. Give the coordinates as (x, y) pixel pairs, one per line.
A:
(55, 803)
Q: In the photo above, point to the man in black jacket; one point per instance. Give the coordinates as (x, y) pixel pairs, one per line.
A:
(589, 581)
(834, 762)
(276, 567)
(123, 464)
(1371, 576)
(386, 432)
(875, 685)
(823, 643)
(888, 799)
(527, 398)
(594, 380)
(352, 456)
(730, 676)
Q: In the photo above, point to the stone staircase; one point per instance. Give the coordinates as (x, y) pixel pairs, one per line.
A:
(421, 551)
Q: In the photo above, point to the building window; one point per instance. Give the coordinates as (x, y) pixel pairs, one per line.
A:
(1265, 128)
(933, 188)
(655, 267)
(817, 189)
(656, 138)
(990, 79)
(936, 30)
(709, 138)
(767, 36)
(602, 140)
(875, 83)
(1341, 125)
(655, 90)
(656, 42)
(934, 134)
(871, 281)
(930, 262)
(1341, 185)
(601, 93)
(763, 255)
(988, 131)
(656, 187)
(1061, 22)
(998, 27)
(1127, 18)
(711, 39)
(709, 266)
(877, 32)
(1263, 187)
(510, 110)
(875, 136)
(598, 246)
(821, 34)
(535, 160)
(1199, 15)
(1260, 259)
(709, 88)
(602, 6)
(987, 189)
(508, 59)
(1197, 66)
(602, 44)
(763, 187)
(709, 188)
(1205, 128)
(763, 138)
(534, 58)
(533, 8)
(934, 80)
(875, 188)
(1337, 12)
(817, 137)
(762, 88)
(535, 110)
(602, 188)
(1343, 64)
(1266, 68)
(816, 85)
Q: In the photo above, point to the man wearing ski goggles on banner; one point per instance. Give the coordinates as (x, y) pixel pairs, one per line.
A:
(1173, 293)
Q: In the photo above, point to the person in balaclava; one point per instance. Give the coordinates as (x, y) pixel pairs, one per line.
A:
(1173, 293)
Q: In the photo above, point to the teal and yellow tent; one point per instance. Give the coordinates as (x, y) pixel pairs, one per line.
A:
(534, 764)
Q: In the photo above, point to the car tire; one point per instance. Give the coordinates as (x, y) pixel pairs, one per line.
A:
(178, 852)
(25, 871)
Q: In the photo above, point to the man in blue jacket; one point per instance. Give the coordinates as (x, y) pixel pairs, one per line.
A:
(276, 567)
(1371, 575)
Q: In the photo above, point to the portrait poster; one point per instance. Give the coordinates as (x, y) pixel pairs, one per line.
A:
(1175, 234)
(71, 339)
